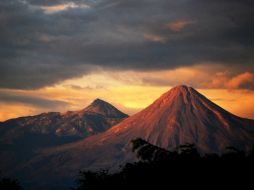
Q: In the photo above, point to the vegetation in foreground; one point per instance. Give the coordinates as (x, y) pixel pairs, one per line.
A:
(162, 169)
(9, 184)
(158, 168)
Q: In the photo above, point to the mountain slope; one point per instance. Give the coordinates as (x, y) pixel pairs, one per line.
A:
(21, 138)
(179, 116)
(97, 117)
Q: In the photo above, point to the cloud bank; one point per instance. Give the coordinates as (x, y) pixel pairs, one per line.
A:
(46, 42)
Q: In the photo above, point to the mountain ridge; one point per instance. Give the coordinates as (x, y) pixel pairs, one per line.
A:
(181, 115)
(22, 138)
(70, 120)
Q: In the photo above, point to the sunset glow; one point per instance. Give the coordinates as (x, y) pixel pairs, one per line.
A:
(113, 94)
(129, 91)
(61, 55)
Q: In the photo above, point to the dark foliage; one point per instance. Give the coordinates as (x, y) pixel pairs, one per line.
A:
(184, 167)
(9, 184)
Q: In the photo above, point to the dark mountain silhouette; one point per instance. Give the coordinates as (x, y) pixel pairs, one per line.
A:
(180, 116)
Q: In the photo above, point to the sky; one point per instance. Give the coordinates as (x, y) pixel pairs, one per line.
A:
(59, 55)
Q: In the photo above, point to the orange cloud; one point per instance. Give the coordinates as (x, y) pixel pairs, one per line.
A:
(244, 80)
(241, 81)
(62, 7)
(178, 25)
(155, 38)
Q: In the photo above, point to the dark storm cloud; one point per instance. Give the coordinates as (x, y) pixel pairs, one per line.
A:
(39, 48)
(31, 100)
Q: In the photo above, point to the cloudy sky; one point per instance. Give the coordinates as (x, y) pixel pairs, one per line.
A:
(59, 55)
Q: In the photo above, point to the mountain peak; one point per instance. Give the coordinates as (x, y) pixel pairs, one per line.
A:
(178, 95)
(98, 101)
(182, 89)
(183, 115)
(104, 108)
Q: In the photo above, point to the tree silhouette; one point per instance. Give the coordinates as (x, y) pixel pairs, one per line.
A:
(92, 180)
(162, 169)
(9, 184)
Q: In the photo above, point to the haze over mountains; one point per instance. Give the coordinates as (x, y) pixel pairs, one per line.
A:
(181, 115)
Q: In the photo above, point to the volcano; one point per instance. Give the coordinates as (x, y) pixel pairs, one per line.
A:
(181, 115)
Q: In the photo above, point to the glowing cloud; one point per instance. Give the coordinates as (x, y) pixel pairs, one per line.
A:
(178, 25)
(241, 81)
(244, 80)
(62, 7)
(155, 38)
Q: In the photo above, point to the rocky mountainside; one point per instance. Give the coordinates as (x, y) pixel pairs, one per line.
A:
(97, 117)
(22, 138)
